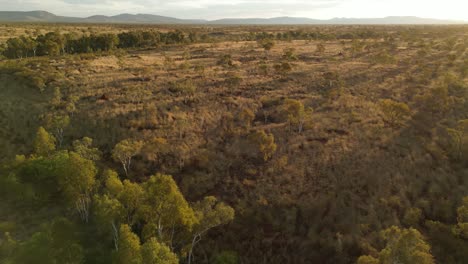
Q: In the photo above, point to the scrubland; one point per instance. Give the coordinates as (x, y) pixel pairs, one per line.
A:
(290, 144)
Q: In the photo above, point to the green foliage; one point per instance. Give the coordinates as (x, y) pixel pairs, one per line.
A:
(154, 252)
(57, 124)
(265, 143)
(44, 143)
(83, 147)
(412, 217)
(458, 139)
(77, 180)
(296, 114)
(461, 228)
(129, 247)
(124, 151)
(164, 206)
(210, 213)
(405, 246)
(289, 54)
(58, 242)
(226, 257)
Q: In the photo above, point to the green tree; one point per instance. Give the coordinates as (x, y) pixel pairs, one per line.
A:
(129, 247)
(405, 246)
(210, 213)
(164, 207)
(77, 180)
(44, 143)
(58, 242)
(57, 124)
(131, 197)
(265, 143)
(461, 229)
(458, 138)
(83, 147)
(154, 252)
(109, 214)
(297, 114)
(124, 151)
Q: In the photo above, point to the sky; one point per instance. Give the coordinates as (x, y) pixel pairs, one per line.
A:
(215, 9)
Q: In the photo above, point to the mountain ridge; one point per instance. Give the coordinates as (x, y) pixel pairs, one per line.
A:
(47, 17)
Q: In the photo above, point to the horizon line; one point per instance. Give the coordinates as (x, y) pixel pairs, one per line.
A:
(244, 18)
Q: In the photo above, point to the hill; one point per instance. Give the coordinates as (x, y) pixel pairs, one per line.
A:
(46, 17)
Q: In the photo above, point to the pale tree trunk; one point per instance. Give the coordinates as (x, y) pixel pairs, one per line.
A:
(82, 206)
(115, 234)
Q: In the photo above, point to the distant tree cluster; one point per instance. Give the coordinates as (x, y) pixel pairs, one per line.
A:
(55, 43)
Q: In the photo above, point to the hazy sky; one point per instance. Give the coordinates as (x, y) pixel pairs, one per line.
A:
(213, 9)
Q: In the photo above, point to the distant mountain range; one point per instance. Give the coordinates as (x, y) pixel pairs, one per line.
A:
(46, 17)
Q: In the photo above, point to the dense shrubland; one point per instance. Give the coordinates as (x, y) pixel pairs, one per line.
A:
(332, 145)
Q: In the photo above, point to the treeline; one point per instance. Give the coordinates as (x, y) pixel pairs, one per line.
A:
(55, 43)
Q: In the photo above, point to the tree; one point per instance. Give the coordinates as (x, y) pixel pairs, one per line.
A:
(405, 246)
(131, 198)
(458, 137)
(154, 252)
(395, 113)
(57, 242)
(44, 143)
(296, 113)
(109, 213)
(155, 148)
(77, 180)
(57, 124)
(164, 207)
(461, 229)
(265, 143)
(83, 147)
(129, 247)
(15, 49)
(210, 213)
(124, 151)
